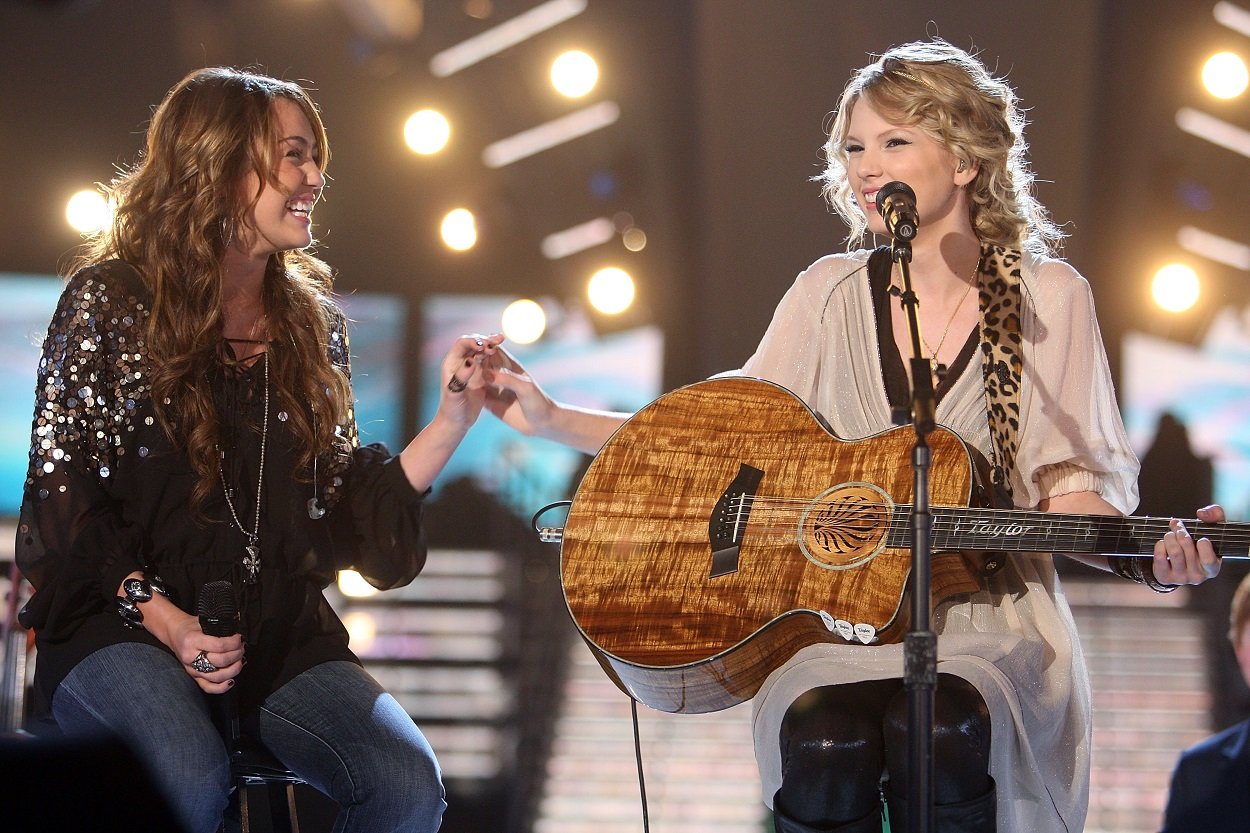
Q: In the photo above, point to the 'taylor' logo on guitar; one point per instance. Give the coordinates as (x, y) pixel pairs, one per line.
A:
(992, 530)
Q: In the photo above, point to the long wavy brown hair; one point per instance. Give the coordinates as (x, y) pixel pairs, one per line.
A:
(177, 210)
(950, 95)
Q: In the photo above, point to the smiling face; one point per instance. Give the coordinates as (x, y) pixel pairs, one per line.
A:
(879, 151)
(281, 218)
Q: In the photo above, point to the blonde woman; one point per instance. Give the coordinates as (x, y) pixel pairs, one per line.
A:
(1012, 704)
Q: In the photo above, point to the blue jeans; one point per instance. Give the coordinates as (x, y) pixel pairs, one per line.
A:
(333, 725)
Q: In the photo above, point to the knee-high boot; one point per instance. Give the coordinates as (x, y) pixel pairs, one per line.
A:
(870, 823)
(976, 815)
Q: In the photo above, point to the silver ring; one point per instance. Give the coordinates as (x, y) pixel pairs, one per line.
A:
(201, 663)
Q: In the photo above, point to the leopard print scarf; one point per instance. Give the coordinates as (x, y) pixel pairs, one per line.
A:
(1001, 363)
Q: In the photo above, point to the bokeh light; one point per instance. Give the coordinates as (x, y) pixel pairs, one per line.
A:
(88, 212)
(523, 321)
(1225, 75)
(574, 74)
(427, 132)
(351, 583)
(611, 290)
(1175, 287)
(459, 229)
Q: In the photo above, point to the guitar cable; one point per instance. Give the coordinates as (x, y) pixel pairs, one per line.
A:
(555, 535)
(549, 534)
(642, 781)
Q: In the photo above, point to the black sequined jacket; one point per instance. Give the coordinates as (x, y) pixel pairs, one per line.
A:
(108, 494)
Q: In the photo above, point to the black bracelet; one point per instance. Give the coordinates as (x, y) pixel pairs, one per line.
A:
(1132, 569)
(132, 617)
(128, 605)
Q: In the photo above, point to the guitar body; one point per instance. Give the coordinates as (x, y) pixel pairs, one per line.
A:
(723, 528)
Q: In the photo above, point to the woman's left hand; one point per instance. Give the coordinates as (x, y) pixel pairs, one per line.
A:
(1179, 559)
(461, 394)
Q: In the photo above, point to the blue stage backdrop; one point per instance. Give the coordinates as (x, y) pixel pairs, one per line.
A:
(618, 371)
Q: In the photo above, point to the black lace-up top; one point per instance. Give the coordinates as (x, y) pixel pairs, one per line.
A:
(108, 494)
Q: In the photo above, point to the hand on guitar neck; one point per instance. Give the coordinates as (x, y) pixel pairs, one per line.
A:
(1181, 554)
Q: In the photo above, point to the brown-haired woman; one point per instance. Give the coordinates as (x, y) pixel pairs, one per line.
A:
(194, 424)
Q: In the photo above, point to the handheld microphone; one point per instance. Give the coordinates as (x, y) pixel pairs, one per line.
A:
(896, 203)
(219, 616)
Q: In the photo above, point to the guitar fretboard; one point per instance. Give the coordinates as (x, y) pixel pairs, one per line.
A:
(1020, 531)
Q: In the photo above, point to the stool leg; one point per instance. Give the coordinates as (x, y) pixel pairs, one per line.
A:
(282, 814)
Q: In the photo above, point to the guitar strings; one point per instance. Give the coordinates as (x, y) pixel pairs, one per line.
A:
(781, 512)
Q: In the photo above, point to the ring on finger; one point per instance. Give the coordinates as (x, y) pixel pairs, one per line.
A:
(202, 664)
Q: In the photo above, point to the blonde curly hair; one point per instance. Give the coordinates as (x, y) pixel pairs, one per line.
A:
(951, 96)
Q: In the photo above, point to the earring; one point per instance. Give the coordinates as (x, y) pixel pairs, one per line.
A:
(227, 232)
(963, 166)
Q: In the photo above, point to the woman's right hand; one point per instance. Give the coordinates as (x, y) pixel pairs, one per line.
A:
(518, 400)
(514, 396)
(181, 633)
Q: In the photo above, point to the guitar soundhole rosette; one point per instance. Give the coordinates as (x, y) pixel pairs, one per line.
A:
(846, 526)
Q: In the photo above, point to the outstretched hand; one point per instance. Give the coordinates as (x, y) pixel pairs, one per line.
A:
(514, 396)
(1179, 559)
(462, 392)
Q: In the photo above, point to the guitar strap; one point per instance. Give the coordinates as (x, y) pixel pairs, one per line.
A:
(1001, 363)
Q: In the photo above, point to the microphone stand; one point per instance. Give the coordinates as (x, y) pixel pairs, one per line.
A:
(920, 643)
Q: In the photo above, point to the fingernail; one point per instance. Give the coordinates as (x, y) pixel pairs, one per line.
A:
(468, 362)
(230, 683)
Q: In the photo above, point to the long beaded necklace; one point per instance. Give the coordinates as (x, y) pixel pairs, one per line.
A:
(251, 561)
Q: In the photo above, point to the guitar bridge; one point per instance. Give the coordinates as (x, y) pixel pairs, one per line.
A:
(729, 520)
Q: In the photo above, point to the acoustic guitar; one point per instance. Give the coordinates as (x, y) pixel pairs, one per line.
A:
(723, 527)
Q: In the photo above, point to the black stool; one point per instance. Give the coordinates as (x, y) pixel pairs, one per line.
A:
(254, 766)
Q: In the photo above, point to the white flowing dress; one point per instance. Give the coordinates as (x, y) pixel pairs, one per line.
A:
(1015, 640)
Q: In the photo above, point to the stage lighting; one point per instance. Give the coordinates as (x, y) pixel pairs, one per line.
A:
(352, 583)
(523, 321)
(611, 290)
(427, 132)
(1175, 287)
(574, 74)
(1225, 75)
(459, 229)
(88, 212)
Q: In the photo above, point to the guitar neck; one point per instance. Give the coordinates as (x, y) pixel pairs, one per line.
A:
(1010, 530)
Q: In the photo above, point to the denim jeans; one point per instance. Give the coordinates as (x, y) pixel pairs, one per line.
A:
(333, 725)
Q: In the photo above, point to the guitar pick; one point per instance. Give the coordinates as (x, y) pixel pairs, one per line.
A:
(865, 633)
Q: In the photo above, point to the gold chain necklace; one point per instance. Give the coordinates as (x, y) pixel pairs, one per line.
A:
(941, 368)
(933, 354)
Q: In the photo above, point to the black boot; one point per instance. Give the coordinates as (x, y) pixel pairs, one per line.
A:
(870, 823)
(977, 815)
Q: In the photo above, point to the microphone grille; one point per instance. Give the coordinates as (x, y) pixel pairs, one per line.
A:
(217, 609)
